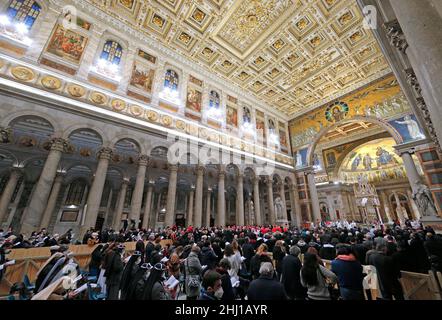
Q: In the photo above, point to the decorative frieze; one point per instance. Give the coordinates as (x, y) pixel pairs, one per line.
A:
(396, 36)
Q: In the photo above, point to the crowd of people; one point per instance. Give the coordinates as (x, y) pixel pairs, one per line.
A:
(323, 262)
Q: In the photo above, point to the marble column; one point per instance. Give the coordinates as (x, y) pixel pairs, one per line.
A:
(198, 217)
(296, 208)
(137, 197)
(221, 212)
(8, 192)
(284, 204)
(96, 191)
(256, 202)
(314, 196)
(414, 207)
(147, 206)
(33, 213)
(272, 218)
(240, 200)
(190, 209)
(52, 201)
(421, 25)
(208, 207)
(410, 168)
(171, 195)
(399, 211)
(120, 205)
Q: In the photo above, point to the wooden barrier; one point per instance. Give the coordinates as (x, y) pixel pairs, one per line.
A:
(420, 286)
(29, 261)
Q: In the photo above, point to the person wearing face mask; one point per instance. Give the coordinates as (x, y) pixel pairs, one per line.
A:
(211, 286)
(154, 288)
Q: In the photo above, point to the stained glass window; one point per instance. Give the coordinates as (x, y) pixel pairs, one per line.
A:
(214, 100)
(171, 80)
(112, 52)
(23, 11)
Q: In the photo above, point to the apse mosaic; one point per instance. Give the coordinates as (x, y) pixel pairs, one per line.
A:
(381, 100)
(375, 161)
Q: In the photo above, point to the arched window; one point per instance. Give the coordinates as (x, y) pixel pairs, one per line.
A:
(112, 52)
(214, 100)
(171, 80)
(23, 11)
(128, 198)
(75, 193)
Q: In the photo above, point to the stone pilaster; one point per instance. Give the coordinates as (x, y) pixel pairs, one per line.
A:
(256, 201)
(190, 209)
(270, 202)
(240, 200)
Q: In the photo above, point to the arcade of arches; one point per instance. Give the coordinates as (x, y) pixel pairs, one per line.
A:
(278, 127)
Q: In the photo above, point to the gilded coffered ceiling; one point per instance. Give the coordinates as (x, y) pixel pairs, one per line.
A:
(293, 54)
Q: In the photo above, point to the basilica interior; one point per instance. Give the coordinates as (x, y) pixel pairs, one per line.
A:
(121, 113)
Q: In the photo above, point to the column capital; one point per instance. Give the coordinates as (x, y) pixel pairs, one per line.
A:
(5, 135)
(105, 153)
(256, 179)
(60, 175)
(199, 169)
(221, 175)
(173, 167)
(143, 160)
(58, 144)
(17, 171)
(125, 182)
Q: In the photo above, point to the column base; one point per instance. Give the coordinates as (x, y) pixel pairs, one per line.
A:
(434, 222)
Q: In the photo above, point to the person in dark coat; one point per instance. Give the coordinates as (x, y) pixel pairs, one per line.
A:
(278, 256)
(226, 284)
(349, 272)
(94, 264)
(403, 259)
(327, 252)
(291, 269)
(260, 257)
(114, 268)
(150, 246)
(217, 250)
(266, 287)
(387, 275)
(248, 252)
(433, 247)
(129, 272)
(208, 257)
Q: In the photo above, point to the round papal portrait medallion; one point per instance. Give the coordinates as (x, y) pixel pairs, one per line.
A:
(51, 83)
(23, 73)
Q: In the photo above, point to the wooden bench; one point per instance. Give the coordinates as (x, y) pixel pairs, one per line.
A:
(29, 261)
